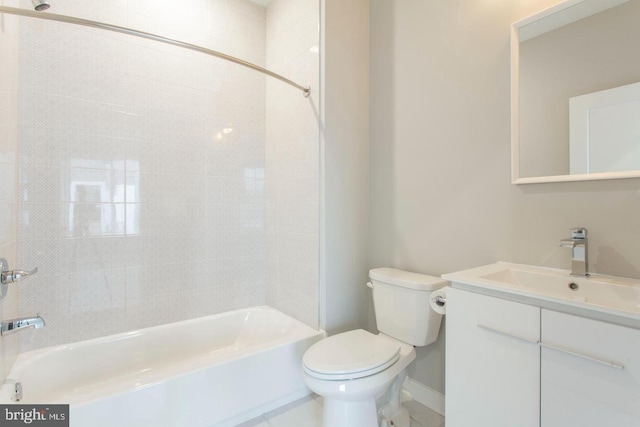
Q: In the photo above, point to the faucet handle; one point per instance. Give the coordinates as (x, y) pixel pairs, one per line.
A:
(578, 233)
(9, 276)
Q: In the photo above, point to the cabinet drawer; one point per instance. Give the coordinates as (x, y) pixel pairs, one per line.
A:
(502, 317)
(590, 372)
(600, 340)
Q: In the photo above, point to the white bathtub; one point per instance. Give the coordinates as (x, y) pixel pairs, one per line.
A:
(216, 370)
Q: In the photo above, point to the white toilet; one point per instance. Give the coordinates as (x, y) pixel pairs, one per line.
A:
(360, 374)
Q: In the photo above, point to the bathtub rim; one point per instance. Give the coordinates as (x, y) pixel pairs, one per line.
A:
(157, 375)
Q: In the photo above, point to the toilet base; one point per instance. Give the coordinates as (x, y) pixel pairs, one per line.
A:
(349, 413)
(393, 414)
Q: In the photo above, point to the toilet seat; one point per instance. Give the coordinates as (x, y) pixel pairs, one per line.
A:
(350, 355)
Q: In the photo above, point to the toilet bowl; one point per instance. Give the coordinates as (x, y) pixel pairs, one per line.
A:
(351, 389)
(360, 374)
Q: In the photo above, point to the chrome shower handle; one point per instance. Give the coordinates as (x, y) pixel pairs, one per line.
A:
(16, 275)
(10, 276)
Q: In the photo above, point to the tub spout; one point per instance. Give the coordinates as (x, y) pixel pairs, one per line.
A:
(15, 325)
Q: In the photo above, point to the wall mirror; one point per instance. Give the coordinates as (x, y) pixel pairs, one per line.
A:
(575, 88)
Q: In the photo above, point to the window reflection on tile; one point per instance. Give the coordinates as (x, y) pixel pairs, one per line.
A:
(90, 191)
(96, 219)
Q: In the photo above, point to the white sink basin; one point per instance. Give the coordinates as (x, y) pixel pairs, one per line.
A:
(609, 294)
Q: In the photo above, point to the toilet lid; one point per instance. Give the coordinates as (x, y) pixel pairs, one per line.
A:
(350, 355)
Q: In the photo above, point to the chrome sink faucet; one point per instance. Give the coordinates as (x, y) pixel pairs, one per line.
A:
(579, 251)
(15, 325)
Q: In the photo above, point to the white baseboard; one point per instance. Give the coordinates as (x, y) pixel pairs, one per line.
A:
(424, 395)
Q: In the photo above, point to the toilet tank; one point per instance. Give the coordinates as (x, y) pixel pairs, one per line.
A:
(401, 303)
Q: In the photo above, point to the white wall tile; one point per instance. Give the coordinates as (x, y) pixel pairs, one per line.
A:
(8, 179)
(299, 248)
(75, 306)
(8, 144)
(80, 80)
(169, 145)
(157, 219)
(46, 111)
(75, 184)
(60, 148)
(9, 303)
(7, 222)
(113, 12)
(292, 162)
(292, 28)
(9, 47)
(72, 44)
(8, 109)
(9, 347)
(298, 217)
(51, 220)
(165, 188)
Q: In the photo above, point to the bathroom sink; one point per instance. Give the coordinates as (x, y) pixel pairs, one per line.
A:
(608, 294)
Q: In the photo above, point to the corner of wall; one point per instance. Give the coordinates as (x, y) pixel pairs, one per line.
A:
(345, 164)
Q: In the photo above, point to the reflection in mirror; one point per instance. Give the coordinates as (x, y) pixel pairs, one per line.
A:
(604, 130)
(576, 92)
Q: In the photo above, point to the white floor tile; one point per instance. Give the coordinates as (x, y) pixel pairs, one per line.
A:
(423, 416)
(256, 422)
(307, 412)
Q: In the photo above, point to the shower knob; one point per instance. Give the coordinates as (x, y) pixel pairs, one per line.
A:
(10, 276)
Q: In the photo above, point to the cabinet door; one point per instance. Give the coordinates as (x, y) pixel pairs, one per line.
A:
(590, 373)
(492, 362)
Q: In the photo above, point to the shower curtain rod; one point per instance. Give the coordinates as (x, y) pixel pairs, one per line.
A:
(124, 30)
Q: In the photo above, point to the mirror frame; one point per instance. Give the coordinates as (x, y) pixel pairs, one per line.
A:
(515, 102)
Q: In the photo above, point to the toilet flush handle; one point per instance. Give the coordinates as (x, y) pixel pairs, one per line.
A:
(370, 285)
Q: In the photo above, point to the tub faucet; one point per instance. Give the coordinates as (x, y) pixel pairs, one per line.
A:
(579, 251)
(15, 325)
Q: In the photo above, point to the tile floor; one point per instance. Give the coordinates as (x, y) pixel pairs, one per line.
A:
(307, 412)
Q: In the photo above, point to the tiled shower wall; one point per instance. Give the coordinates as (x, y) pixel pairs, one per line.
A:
(141, 167)
(292, 160)
(8, 173)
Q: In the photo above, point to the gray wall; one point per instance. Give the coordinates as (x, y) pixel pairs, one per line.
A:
(345, 164)
(441, 197)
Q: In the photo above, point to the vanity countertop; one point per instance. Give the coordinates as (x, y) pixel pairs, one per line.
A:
(608, 298)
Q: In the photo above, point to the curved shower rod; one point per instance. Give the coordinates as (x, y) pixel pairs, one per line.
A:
(306, 90)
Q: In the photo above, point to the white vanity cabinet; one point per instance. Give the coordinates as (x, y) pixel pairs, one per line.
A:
(511, 364)
(590, 372)
(492, 362)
